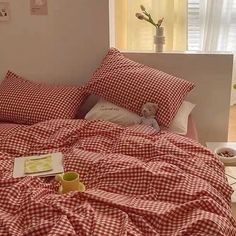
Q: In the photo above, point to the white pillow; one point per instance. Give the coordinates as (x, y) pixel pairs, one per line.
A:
(179, 124)
(108, 111)
(105, 110)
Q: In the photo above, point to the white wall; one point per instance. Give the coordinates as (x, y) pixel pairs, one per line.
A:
(233, 91)
(67, 45)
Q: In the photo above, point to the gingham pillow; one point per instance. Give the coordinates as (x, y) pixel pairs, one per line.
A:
(27, 102)
(130, 84)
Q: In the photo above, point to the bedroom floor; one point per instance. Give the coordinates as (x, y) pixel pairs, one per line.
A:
(232, 124)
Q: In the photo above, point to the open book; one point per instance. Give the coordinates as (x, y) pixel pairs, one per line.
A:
(41, 165)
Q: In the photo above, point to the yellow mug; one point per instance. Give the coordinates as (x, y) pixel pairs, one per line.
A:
(69, 182)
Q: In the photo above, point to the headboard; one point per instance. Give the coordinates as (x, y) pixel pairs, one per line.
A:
(212, 75)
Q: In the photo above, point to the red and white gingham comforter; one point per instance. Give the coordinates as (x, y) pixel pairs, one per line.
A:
(138, 183)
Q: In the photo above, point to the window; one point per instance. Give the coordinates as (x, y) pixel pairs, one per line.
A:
(212, 25)
(196, 25)
(135, 35)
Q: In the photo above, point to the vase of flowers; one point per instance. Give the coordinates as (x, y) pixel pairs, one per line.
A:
(159, 38)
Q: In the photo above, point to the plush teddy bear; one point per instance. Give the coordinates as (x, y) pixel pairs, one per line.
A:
(148, 112)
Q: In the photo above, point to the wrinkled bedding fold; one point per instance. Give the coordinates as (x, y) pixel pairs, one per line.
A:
(138, 182)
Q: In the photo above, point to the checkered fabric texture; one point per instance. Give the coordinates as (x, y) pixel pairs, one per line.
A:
(7, 128)
(27, 102)
(138, 182)
(130, 84)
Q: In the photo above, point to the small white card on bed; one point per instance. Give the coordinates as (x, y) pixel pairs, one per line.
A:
(57, 165)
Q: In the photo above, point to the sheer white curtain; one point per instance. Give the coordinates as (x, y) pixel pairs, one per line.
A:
(135, 35)
(212, 27)
(139, 33)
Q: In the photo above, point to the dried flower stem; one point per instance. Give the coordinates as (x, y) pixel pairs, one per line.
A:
(150, 20)
(148, 17)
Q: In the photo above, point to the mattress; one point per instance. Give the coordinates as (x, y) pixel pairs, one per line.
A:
(192, 130)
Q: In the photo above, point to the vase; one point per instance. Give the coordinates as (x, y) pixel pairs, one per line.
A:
(159, 39)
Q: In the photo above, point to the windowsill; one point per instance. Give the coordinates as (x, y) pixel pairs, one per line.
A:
(181, 52)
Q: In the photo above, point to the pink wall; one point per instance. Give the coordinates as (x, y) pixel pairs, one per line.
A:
(67, 45)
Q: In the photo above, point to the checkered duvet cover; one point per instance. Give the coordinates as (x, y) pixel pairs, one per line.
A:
(138, 182)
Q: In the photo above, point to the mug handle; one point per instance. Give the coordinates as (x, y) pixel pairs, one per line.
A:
(59, 177)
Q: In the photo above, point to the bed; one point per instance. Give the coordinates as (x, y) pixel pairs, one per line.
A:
(138, 181)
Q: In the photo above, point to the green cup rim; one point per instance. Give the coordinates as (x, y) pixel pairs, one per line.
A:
(70, 176)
